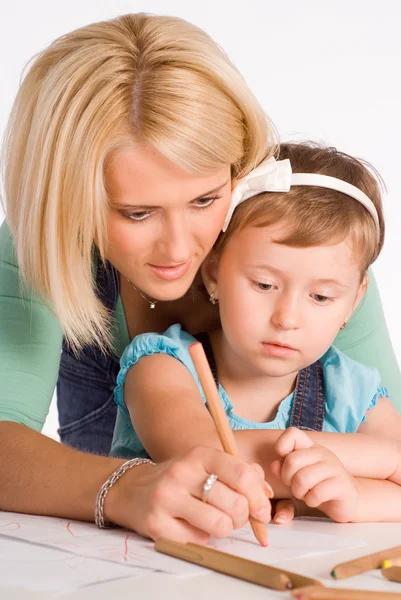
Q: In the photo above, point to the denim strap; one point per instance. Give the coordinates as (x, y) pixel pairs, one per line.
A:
(309, 399)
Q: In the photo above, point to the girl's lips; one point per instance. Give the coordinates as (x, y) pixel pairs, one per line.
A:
(277, 350)
(171, 273)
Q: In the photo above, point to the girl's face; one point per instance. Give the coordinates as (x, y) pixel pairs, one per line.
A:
(162, 220)
(282, 307)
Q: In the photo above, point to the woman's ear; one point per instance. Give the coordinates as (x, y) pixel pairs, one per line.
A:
(209, 274)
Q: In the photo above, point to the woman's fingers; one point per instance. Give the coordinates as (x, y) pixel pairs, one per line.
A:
(285, 511)
(229, 502)
(166, 499)
(237, 475)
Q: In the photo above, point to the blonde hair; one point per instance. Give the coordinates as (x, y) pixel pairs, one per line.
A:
(136, 78)
(314, 216)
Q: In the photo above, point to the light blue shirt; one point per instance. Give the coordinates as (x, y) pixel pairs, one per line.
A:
(350, 388)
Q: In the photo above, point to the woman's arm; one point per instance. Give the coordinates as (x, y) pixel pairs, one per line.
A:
(41, 476)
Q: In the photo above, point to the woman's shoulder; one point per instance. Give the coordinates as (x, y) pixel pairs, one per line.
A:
(7, 250)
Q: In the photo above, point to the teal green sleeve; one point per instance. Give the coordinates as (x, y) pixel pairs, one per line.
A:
(366, 339)
(30, 346)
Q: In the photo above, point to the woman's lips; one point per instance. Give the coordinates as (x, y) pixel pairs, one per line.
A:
(171, 273)
(278, 350)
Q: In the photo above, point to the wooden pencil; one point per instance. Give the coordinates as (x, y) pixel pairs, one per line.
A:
(365, 563)
(220, 420)
(392, 573)
(236, 566)
(323, 593)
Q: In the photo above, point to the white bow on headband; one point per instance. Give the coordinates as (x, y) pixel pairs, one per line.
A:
(277, 176)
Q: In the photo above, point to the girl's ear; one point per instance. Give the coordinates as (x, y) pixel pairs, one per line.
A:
(361, 292)
(209, 274)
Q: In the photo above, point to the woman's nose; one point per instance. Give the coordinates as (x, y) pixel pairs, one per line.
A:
(176, 240)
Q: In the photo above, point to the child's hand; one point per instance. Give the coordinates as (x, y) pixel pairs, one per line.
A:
(315, 475)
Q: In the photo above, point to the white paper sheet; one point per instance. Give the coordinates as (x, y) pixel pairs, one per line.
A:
(285, 543)
(85, 539)
(127, 548)
(44, 569)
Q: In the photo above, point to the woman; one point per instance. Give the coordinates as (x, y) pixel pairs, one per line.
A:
(122, 148)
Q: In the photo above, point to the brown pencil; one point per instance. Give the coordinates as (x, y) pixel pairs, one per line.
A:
(220, 420)
(323, 593)
(365, 563)
(392, 573)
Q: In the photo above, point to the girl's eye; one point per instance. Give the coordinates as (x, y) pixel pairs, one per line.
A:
(264, 287)
(205, 202)
(320, 299)
(140, 215)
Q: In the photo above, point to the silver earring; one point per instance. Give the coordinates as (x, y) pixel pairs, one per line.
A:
(212, 299)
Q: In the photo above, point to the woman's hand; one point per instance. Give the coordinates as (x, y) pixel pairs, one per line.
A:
(164, 500)
(315, 475)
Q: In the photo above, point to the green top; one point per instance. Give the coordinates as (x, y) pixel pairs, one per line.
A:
(30, 344)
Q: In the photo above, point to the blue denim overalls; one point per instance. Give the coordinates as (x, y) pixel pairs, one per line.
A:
(87, 411)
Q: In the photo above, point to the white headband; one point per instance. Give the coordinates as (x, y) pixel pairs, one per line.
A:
(277, 176)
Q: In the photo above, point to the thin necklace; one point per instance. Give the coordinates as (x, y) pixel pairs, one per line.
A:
(152, 303)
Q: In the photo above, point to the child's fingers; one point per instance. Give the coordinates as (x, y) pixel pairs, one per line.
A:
(285, 511)
(323, 492)
(308, 478)
(292, 439)
(298, 460)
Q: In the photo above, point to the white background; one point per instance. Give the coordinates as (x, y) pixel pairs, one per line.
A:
(328, 71)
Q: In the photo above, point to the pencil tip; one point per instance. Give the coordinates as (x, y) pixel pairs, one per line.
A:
(333, 574)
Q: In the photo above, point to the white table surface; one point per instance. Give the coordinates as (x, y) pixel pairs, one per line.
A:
(214, 586)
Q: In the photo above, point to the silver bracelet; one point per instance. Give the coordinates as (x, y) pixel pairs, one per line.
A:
(99, 511)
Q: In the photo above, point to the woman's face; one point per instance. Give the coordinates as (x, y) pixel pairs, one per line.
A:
(163, 220)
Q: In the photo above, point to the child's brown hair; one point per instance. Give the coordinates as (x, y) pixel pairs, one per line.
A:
(315, 215)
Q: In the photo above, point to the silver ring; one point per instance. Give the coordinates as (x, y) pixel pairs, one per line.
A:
(207, 486)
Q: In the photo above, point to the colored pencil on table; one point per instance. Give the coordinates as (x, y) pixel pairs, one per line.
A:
(323, 593)
(392, 573)
(220, 420)
(394, 562)
(365, 563)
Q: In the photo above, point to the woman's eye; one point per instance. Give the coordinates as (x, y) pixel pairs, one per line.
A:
(205, 202)
(140, 215)
(320, 298)
(264, 287)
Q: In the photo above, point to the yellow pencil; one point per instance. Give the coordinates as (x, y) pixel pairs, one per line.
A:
(394, 562)
(220, 420)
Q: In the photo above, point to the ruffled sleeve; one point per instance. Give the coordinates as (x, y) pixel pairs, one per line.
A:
(173, 342)
(351, 390)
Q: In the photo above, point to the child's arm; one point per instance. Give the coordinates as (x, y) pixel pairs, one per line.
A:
(316, 476)
(373, 452)
(166, 408)
(170, 418)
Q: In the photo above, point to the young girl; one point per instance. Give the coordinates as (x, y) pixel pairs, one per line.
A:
(288, 274)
